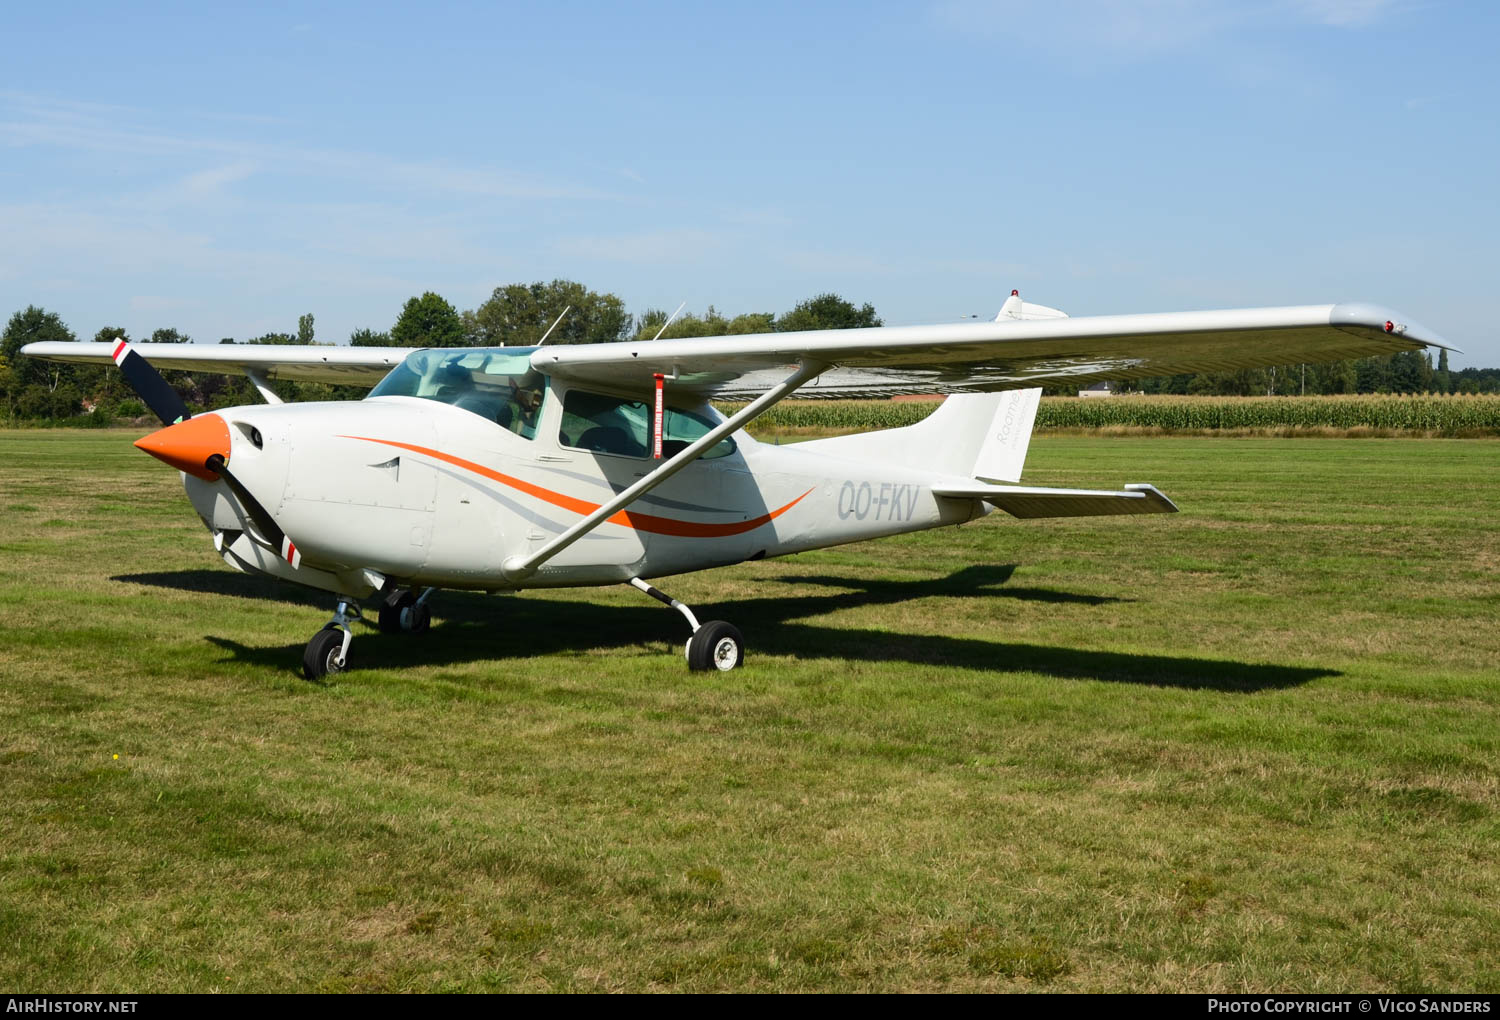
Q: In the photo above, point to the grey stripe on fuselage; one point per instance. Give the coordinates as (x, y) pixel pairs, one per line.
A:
(524, 512)
(661, 501)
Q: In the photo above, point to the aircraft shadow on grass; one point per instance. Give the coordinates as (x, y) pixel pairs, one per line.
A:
(470, 627)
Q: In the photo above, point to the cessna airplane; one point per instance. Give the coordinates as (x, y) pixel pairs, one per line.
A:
(505, 468)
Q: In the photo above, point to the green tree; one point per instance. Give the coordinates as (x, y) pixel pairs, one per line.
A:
(827, 311)
(711, 323)
(519, 314)
(1337, 377)
(8, 387)
(428, 321)
(168, 335)
(752, 322)
(34, 325)
(1411, 372)
(105, 386)
(1372, 375)
(369, 338)
(1442, 379)
(305, 329)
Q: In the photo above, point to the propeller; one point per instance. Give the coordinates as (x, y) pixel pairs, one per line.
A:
(198, 445)
(154, 391)
(259, 514)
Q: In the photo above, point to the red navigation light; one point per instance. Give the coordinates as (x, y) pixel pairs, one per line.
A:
(1015, 293)
(1389, 325)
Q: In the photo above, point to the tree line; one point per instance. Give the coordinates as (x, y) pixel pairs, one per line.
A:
(1405, 372)
(519, 314)
(514, 315)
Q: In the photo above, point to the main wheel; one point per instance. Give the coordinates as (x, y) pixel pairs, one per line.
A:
(716, 645)
(322, 654)
(390, 613)
(405, 615)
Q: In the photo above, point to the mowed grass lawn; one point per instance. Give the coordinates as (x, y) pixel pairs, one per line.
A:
(1252, 746)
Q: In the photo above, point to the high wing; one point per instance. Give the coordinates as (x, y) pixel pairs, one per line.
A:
(1002, 355)
(357, 366)
(882, 361)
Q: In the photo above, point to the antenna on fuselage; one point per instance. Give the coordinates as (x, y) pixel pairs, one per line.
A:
(550, 328)
(669, 321)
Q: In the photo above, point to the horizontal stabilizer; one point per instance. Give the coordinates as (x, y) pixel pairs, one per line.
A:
(1025, 502)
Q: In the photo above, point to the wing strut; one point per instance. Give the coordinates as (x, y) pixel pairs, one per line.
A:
(516, 567)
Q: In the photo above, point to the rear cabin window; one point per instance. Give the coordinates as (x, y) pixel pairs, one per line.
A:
(601, 424)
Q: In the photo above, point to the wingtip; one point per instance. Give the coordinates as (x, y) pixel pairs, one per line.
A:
(1366, 315)
(1155, 495)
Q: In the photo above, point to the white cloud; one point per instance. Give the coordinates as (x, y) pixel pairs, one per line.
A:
(1347, 13)
(211, 183)
(655, 246)
(41, 121)
(157, 303)
(1132, 29)
(838, 263)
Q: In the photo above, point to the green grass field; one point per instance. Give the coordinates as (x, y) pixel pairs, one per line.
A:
(1254, 746)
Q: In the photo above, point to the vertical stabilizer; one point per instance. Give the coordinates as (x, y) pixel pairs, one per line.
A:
(970, 435)
(1003, 452)
(1015, 308)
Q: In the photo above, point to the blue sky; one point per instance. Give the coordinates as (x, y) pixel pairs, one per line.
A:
(223, 172)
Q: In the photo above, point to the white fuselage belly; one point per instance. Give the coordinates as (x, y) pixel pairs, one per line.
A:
(427, 494)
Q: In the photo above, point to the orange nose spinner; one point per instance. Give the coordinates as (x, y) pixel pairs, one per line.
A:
(189, 443)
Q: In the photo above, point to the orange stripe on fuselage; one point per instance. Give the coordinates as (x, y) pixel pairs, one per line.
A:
(638, 521)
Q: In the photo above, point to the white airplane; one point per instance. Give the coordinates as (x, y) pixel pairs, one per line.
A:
(506, 468)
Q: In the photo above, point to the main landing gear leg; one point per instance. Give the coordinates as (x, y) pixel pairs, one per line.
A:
(714, 645)
(328, 651)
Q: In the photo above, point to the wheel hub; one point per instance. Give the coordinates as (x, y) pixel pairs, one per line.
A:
(725, 653)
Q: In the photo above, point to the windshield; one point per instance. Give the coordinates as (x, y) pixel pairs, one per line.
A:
(496, 383)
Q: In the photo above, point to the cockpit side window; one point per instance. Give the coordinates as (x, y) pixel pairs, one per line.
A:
(497, 384)
(603, 424)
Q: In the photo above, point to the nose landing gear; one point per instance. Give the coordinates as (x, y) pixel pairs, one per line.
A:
(328, 651)
(714, 645)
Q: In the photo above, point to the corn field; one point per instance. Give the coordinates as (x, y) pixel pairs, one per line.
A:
(1439, 415)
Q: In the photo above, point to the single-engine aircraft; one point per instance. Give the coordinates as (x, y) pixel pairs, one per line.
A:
(506, 468)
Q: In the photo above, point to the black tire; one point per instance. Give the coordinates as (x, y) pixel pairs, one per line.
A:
(716, 646)
(320, 658)
(390, 613)
(420, 620)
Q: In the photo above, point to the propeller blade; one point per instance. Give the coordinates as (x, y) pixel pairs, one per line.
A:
(285, 547)
(154, 391)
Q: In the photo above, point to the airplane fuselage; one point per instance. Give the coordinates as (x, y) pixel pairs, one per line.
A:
(415, 492)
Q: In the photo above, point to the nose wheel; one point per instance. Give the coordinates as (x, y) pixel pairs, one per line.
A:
(715, 645)
(328, 651)
(325, 653)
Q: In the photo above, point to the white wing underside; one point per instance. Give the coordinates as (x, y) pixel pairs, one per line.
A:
(957, 358)
(1002, 355)
(355, 366)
